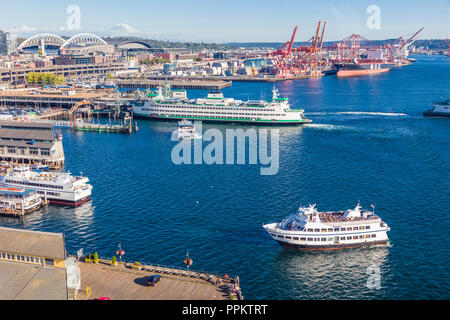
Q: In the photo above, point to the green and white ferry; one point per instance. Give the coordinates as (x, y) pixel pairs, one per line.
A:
(167, 104)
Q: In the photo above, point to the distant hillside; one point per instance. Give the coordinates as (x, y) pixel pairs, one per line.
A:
(436, 44)
(169, 44)
(157, 43)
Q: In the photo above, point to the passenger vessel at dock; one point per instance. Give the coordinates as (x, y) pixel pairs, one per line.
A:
(18, 201)
(169, 104)
(310, 229)
(54, 187)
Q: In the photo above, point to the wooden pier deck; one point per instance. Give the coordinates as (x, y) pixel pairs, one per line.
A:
(122, 283)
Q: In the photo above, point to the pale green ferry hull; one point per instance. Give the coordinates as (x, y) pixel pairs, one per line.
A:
(205, 119)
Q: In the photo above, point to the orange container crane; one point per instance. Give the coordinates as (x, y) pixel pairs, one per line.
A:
(290, 61)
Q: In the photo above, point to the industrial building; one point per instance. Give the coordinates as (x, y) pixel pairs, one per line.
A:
(32, 265)
(30, 143)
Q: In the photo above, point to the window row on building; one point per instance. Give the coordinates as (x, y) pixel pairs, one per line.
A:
(26, 259)
(22, 151)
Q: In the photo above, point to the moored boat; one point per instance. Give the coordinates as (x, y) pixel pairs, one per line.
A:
(362, 67)
(54, 187)
(18, 201)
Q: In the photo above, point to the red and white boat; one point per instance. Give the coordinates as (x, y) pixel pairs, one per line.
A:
(362, 67)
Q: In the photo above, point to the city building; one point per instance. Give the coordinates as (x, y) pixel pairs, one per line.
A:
(221, 55)
(77, 59)
(30, 143)
(8, 43)
(32, 265)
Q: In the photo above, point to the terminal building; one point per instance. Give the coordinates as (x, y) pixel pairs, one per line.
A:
(32, 265)
(31, 143)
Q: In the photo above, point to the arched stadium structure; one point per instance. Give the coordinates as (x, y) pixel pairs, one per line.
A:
(51, 43)
(84, 39)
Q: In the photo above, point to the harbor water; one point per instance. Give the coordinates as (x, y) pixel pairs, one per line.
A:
(368, 142)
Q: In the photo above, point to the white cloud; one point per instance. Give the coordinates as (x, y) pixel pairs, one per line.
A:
(124, 28)
(24, 29)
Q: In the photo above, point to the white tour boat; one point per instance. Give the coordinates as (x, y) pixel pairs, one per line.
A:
(54, 187)
(169, 104)
(186, 130)
(310, 229)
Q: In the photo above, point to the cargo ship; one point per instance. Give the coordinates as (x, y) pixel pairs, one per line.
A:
(362, 67)
(440, 109)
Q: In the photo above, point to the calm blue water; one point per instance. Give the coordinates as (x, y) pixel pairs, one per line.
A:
(368, 142)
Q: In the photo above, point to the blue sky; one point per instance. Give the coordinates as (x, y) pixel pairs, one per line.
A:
(229, 21)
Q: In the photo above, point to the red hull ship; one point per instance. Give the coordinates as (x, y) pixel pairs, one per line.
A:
(362, 67)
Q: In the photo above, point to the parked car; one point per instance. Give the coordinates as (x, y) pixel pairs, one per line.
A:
(153, 280)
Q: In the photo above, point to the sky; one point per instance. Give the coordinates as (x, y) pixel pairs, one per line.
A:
(228, 20)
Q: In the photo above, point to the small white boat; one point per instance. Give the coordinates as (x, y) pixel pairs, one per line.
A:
(186, 130)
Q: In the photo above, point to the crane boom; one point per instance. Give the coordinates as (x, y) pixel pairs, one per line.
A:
(407, 42)
(321, 36)
(292, 41)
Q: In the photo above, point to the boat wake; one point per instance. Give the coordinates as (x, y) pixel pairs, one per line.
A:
(390, 114)
(326, 127)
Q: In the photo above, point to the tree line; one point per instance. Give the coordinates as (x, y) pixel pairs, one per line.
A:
(44, 78)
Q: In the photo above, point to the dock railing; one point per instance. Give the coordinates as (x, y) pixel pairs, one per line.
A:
(229, 283)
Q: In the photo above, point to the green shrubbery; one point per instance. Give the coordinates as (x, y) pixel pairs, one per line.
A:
(44, 78)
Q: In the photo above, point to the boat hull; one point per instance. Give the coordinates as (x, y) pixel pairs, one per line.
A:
(436, 114)
(361, 72)
(250, 122)
(62, 202)
(333, 246)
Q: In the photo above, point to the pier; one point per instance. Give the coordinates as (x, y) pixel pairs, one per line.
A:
(124, 282)
(175, 84)
(235, 78)
(47, 98)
